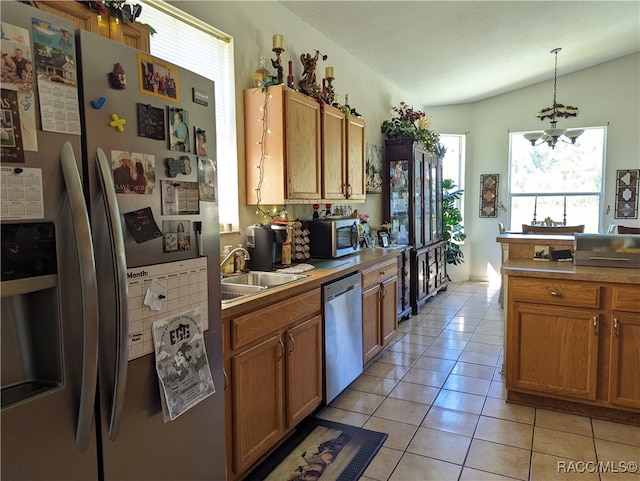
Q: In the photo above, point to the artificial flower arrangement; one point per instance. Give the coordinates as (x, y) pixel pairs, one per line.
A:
(413, 124)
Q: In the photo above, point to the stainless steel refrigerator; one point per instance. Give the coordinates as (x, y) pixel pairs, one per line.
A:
(76, 404)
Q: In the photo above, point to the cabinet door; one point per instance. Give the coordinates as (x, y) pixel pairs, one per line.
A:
(388, 310)
(132, 34)
(370, 323)
(334, 173)
(355, 159)
(553, 350)
(419, 200)
(302, 146)
(258, 409)
(303, 369)
(624, 388)
(78, 13)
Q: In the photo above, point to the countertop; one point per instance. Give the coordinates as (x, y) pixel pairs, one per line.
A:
(566, 270)
(515, 238)
(316, 278)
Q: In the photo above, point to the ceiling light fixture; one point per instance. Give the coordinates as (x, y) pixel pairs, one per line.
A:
(553, 135)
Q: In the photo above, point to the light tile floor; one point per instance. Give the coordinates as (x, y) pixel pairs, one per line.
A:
(439, 395)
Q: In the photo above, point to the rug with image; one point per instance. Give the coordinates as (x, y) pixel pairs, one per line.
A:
(321, 450)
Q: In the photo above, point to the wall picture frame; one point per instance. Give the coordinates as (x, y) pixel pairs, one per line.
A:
(489, 195)
(627, 194)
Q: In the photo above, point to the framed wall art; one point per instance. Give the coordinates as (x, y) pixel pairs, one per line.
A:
(627, 194)
(489, 195)
(158, 78)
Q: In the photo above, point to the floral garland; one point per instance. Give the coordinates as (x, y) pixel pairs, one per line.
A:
(413, 124)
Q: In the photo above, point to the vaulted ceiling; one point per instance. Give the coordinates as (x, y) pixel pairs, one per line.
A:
(453, 52)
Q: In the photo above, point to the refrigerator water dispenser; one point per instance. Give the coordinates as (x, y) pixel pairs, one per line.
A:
(31, 352)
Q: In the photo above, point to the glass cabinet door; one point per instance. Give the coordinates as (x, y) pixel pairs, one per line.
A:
(399, 199)
(439, 231)
(418, 202)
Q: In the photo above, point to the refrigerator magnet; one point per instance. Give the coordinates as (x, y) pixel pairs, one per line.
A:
(141, 225)
(151, 122)
(179, 130)
(181, 165)
(201, 142)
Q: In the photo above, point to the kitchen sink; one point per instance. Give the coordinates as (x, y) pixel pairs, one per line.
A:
(233, 292)
(262, 279)
(237, 286)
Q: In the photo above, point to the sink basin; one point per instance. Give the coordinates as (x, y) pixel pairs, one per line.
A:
(233, 292)
(262, 279)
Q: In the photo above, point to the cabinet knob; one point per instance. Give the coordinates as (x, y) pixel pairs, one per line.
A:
(554, 293)
(226, 378)
(349, 190)
(615, 327)
(284, 350)
(382, 273)
(595, 325)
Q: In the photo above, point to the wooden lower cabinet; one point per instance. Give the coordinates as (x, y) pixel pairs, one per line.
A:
(574, 346)
(379, 308)
(557, 350)
(303, 386)
(274, 361)
(258, 400)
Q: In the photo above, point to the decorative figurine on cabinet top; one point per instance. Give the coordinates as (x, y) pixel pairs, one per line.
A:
(308, 81)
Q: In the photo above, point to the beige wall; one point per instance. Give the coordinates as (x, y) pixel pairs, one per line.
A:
(607, 94)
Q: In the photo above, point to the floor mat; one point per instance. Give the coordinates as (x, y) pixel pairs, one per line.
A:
(321, 450)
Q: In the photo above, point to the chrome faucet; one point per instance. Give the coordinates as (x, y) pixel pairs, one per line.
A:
(232, 253)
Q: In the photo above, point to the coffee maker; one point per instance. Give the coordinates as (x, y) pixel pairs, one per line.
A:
(264, 243)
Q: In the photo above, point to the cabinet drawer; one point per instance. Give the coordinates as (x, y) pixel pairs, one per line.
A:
(378, 273)
(248, 328)
(559, 293)
(625, 299)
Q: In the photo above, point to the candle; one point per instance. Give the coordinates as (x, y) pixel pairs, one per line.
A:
(328, 72)
(565, 205)
(535, 206)
(277, 41)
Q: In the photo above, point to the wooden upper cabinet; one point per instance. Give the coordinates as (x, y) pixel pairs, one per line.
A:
(334, 172)
(282, 146)
(302, 145)
(133, 34)
(298, 155)
(355, 159)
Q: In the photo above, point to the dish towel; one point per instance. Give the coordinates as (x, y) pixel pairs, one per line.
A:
(296, 269)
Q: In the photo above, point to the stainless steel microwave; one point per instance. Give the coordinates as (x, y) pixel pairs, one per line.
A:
(331, 238)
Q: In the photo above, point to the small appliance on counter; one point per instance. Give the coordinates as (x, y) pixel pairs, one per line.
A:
(607, 250)
(331, 238)
(266, 244)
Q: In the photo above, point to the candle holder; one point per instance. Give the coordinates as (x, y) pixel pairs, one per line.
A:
(331, 93)
(277, 63)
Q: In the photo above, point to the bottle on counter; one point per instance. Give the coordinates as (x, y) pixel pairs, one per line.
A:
(229, 266)
(240, 259)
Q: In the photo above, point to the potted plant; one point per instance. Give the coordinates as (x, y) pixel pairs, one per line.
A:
(411, 124)
(452, 220)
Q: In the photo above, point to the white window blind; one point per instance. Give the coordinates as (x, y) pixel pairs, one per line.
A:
(189, 43)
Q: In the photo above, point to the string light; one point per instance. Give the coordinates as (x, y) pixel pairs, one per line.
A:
(263, 155)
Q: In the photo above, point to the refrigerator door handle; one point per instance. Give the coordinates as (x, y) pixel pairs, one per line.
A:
(122, 295)
(89, 289)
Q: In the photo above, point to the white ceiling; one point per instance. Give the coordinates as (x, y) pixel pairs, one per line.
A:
(453, 52)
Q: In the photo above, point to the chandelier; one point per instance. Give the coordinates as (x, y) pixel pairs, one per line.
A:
(553, 135)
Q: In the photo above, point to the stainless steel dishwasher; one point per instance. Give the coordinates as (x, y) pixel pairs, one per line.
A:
(342, 301)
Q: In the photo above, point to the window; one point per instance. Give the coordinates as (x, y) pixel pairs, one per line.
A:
(453, 162)
(549, 184)
(176, 32)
